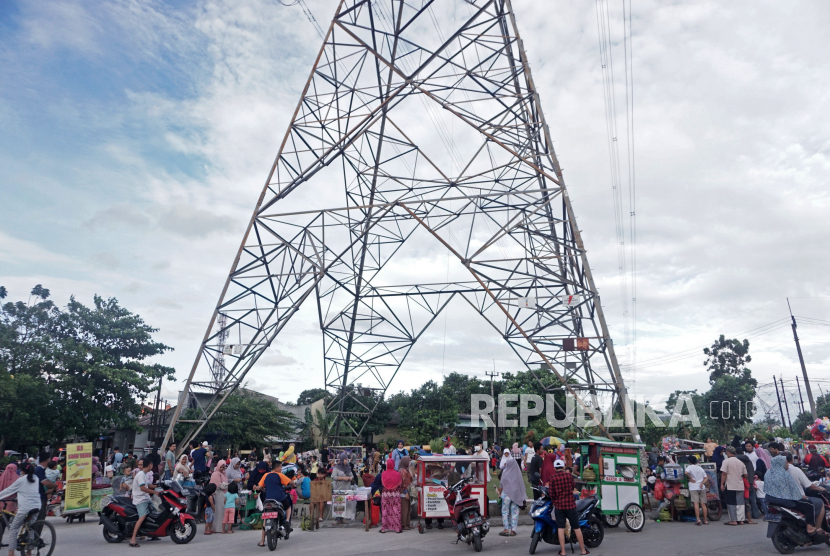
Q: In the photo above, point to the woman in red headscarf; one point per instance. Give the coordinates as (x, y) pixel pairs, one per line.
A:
(390, 503)
(7, 479)
(547, 467)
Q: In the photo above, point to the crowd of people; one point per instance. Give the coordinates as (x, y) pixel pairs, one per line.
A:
(750, 475)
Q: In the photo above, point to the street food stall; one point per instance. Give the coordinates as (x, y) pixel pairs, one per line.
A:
(436, 472)
(677, 484)
(611, 470)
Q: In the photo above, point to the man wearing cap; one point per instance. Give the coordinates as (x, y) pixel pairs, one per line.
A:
(449, 449)
(733, 471)
(561, 490)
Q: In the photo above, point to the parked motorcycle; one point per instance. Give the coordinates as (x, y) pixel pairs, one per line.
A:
(788, 527)
(545, 528)
(273, 516)
(465, 514)
(120, 516)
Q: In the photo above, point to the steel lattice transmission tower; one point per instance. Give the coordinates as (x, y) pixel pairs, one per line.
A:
(419, 124)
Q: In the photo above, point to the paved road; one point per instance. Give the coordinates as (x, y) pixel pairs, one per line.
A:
(659, 539)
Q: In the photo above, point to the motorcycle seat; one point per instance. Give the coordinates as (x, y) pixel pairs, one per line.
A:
(582, 504)
(123, 501)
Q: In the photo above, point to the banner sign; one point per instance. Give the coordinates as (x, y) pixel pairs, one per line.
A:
(77, 496)
(434, 503)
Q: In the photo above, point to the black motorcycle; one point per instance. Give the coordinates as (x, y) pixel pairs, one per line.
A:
(273, 517)
(788, 527)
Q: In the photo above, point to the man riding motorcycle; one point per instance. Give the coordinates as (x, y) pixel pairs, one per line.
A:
(274, 484)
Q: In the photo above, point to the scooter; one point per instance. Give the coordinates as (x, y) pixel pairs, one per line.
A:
(465, 515)
(120, 516)
(545, 528)
(788, 527)
(273, 516)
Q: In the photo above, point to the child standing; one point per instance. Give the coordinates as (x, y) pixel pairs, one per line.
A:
(230, 507)
(209, 508)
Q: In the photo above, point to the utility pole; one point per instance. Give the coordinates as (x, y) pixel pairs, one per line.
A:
(803, 367)
(492, 375)
(800, 397)
(777, 395)
(786, 405)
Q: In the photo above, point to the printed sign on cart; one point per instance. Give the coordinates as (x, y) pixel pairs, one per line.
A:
(434, 503)
(78, 491)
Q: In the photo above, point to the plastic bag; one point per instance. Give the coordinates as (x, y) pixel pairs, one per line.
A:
(659, 491)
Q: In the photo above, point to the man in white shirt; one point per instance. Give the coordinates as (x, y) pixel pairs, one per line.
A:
(804, 485)
(698, 487)
(141, 495)
(449, 449)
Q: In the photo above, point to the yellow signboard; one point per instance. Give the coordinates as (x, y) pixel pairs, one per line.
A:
(78, 477)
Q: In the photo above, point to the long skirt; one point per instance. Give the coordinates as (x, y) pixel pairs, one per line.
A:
(390, 510)
(406, 520)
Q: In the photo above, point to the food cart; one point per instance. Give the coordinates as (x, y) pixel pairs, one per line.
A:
(611, 470)
(435, 472)
(676, 482)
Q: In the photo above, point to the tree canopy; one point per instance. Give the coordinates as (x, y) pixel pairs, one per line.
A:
(71, 371)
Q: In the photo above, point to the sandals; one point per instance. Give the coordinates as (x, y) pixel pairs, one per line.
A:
(512, 534)
(698, 523)
(134, 545)
(260, 545)
(504, 534)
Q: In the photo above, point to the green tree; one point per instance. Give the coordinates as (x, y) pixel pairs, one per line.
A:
(247, 419)
(728, 358)
(427, 412)
(312, 395)
(81, 371)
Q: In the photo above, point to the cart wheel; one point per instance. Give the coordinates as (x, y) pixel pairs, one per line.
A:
(634, 517)
(612, 520)
(420, 528)
(715, 510)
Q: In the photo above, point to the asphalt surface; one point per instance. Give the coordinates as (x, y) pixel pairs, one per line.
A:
(663, 539)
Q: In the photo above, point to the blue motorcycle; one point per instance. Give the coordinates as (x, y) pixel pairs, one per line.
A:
(544, 524)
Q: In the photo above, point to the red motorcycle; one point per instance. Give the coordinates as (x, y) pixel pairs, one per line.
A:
(120, 516)
(466, 516)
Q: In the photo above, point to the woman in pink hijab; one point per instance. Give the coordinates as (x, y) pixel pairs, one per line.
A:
(8, 477)
(220, 479)
(390, 502)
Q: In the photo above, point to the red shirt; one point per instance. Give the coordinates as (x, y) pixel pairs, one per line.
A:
(561, 488)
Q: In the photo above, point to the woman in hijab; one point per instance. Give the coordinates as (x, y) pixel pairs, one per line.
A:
(7, 479)
(390, 504)
(406, 481)
(234, 472)
(96, 468)
(547, 467)
(397, 454)
(220, 479)
(764, 456)
(512, 492)
(782, 489)
(341, 473)
(257, 474)
(505, 456)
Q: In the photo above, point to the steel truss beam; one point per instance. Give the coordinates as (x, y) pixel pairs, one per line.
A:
(370, 137)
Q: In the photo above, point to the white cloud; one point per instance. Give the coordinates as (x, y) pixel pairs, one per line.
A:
(732, 166)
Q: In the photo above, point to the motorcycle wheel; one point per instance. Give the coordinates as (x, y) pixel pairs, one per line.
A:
(612, 520)
(477, 542)
(272, 535)
(634, 518)
(534, 541)
(781, 543)
(182, 534)
(715, 510)
(593, 533)
(111, 538)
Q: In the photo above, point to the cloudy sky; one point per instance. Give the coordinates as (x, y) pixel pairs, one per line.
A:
(136, 136)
